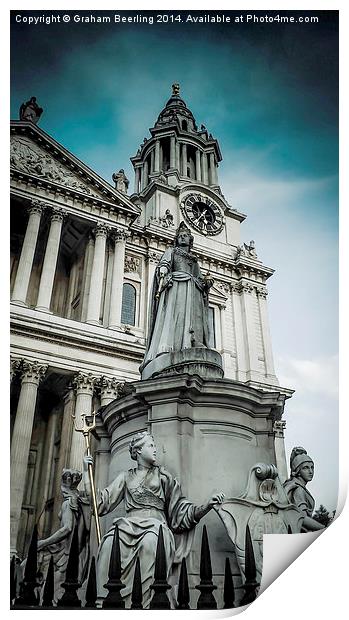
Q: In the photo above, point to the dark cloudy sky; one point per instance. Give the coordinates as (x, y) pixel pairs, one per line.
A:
(269, 94)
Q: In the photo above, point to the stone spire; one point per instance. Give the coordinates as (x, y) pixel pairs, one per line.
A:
(177, 150)
(176, 111)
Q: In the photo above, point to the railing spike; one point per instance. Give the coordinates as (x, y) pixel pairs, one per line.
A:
(183, 599)
(160, 599)
(49, 588)
(71, 584)
(229, 591)
(13, 580)
(28, 596)
(206, 599)
(251, 584)
(137, 594)
(91, 588)
(114, 600)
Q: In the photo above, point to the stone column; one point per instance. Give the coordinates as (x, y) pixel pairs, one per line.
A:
(25, 265)
(184, 160)
(198, 165)
(117, 281)
(152, 156)
(178, 156)
(204, 168)
(173, 152)
(96, 284)
(84, 387)
(280, 452)
(212, 169)
(64, 450)
(137, 179)
(86, 276)
(267, 346)
(50, 261)
(157, 156)
(49, 445)
(145, 174)
(32, 373)
(241, 362)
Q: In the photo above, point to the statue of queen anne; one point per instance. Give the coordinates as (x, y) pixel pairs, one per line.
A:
(153, 497)
(179, 302)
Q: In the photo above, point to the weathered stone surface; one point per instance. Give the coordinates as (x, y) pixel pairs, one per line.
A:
(203, 362)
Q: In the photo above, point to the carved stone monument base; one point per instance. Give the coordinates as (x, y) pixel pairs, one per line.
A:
(195, 361)
(208, 433)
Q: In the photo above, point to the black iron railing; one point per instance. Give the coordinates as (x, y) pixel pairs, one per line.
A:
(29, 598)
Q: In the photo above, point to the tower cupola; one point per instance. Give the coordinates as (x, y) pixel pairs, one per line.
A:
(177, 150)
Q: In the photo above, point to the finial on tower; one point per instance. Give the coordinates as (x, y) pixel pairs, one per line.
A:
(175, 88)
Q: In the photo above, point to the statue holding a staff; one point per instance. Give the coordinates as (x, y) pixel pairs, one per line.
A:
(152, 497)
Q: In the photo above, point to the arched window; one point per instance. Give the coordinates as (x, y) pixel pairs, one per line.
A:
(184, 125)
(128, 309)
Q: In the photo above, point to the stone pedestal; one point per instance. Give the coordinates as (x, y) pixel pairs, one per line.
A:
(208, 433)
(206, 363)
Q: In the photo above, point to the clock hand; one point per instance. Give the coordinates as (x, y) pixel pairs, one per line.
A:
(200, 216)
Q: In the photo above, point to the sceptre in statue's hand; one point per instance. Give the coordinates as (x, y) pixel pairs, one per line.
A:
(86, 429)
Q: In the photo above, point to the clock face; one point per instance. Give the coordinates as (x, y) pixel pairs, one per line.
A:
(203, 214)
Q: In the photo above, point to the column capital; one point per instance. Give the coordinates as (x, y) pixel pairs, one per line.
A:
(262, 291)
(36, 206)
(110, 386)
(152, 257)
(84, 383)
(14, 366)
(243, 287)
(32, 371)
(279, 428)
(101, 230)
(58, 214)
(119, 234)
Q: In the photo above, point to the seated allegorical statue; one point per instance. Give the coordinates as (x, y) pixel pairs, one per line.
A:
(152, 497)
(302, 472)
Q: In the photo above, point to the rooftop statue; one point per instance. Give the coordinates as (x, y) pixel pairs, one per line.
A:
(30, 111)
(179, 302)
(152, 497)
(302, 472)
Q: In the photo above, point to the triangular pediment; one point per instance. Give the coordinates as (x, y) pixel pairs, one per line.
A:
(219, 291)
(34, 153)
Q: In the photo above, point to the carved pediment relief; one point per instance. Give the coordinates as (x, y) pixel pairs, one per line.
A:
(219, 292)
(27, 156)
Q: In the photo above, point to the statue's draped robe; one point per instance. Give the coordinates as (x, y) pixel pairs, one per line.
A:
(299, 495)
(156, 500)
(179, 319)
(75, 511)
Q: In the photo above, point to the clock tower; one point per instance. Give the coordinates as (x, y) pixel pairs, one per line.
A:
(176, 177)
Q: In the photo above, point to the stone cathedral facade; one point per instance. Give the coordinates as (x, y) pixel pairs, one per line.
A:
(83, 256)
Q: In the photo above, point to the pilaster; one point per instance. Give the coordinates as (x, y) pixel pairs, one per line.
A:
(280, 452)
(120, 237)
